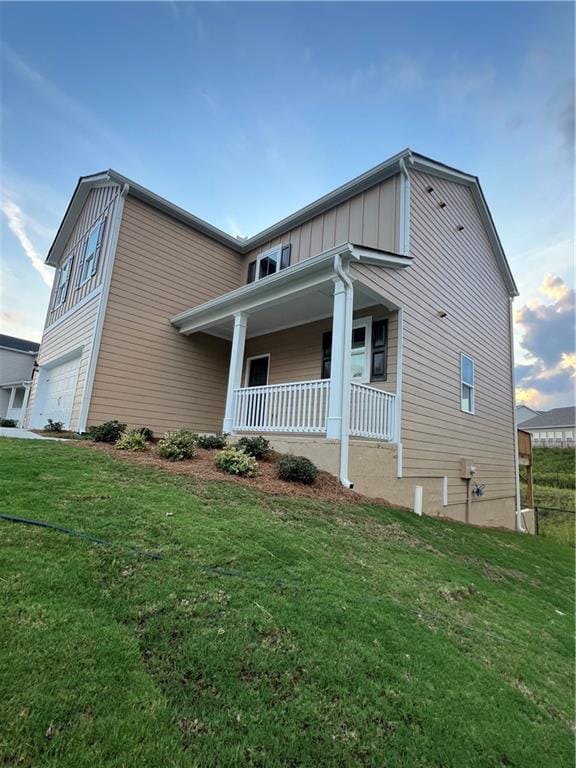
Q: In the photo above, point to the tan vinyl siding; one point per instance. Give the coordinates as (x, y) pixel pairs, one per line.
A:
(296, 353)
(75, 333)
(454, 271)
(99, 205)
(370, 219)
(147, 372)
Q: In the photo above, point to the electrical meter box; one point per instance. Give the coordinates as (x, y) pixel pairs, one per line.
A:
(467, 469)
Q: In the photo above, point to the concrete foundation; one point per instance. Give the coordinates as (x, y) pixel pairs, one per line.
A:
(373, 470)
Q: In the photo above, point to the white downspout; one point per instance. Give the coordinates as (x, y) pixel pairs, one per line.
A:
(520, 525)
(345, 421)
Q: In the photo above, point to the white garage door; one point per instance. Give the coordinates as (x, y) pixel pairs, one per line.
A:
(59, 391)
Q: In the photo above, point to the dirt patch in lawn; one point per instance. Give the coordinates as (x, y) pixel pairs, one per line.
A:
(325, 488)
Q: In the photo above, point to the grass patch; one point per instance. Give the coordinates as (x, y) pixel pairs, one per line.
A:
(554, 494)
(274, 632)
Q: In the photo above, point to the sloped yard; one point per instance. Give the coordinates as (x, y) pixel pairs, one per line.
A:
(273, 631)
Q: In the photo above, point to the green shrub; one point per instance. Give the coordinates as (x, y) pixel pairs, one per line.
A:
(54, 426)
(132, 440)
(213, 442)
(297, 469)
(108, 432)
(7, 423)
(258, 447)
(146, 433)
(235, 461)
(177, 446)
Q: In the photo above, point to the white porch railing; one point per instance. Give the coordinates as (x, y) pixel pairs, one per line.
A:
(372, 412)
(298, 407)
(302, 406)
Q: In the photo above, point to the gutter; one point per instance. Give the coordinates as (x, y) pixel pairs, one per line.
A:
(520, 521)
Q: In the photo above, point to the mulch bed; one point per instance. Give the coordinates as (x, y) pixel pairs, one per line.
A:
(325, 488)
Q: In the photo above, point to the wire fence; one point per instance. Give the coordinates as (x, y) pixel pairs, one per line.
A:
(544, 516)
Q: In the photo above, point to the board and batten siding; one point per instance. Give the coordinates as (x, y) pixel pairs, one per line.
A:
(370, 218)
(74, 334)
(296, 353)
(455, 272)
(100, 204)
(147, 372)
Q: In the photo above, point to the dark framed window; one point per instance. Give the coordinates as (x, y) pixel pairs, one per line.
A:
(379, 363)
(251, 272)
(326, 354)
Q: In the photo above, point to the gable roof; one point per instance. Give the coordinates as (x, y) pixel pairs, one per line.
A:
(557, 417)
(379, 173)
(18, 345)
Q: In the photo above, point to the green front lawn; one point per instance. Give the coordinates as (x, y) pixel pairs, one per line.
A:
(273, 631)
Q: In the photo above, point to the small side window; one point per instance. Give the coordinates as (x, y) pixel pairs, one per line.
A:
(63, 282)
(251, 272)
(467, 383)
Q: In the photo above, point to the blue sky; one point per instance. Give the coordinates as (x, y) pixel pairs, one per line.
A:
(244, 112)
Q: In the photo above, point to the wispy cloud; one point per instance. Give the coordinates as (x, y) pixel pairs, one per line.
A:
(95, 132)
(17, 223)
(18, 324)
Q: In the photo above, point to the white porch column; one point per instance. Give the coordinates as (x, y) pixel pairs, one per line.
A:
(235, 373)
(25, 404)
(11, 400)
(340, 360)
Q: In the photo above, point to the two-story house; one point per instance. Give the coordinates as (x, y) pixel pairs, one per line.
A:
(370, 330)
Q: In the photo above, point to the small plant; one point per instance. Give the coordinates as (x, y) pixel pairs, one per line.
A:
(177, 446)
(146, 433)
(132, 440)
(54, 426)
(213, 442)
(108, 432)
(297, 469)
(258, 447)
(7, 423)
(235, 461)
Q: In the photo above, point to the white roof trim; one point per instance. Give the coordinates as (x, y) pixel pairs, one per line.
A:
(300, 276)
(375, 175)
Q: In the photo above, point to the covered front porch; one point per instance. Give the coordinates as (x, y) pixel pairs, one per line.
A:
(313, 352)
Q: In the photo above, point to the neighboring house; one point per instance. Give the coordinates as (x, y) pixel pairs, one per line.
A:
(17, 357)
(555, 428)
(370, 331)
(523, 413)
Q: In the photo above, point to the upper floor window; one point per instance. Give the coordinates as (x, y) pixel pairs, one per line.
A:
(63, 281)
(269, 262)
(467, 383)
(89, 263)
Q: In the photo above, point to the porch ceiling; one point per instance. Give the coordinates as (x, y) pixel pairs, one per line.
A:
(299, 294)
(309, 305)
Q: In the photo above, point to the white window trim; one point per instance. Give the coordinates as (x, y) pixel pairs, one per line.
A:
(67, 260)
(364, 322)
(249, 363)
(472, 386)
(277, 249)
(96, 258)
